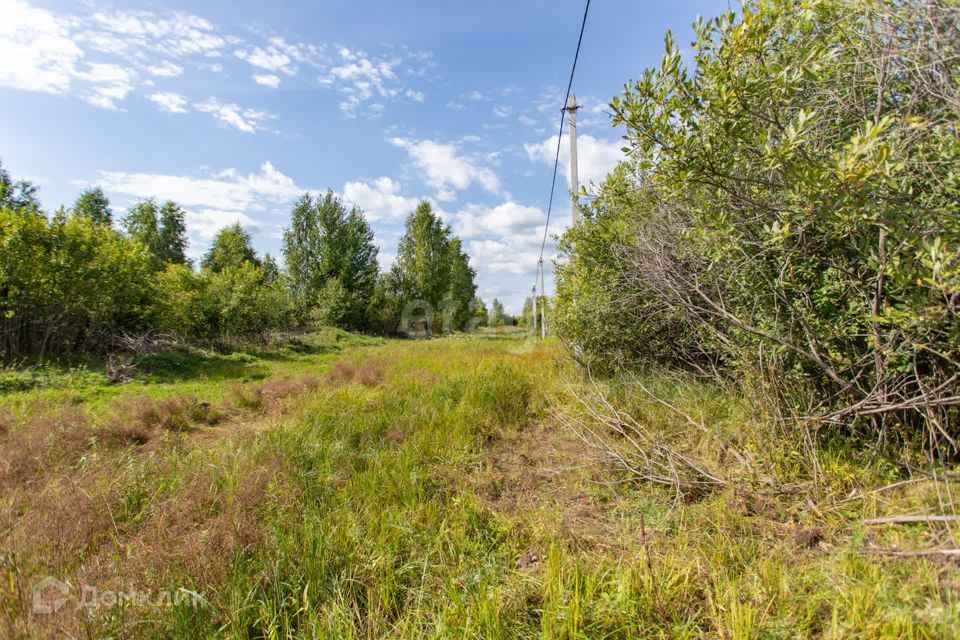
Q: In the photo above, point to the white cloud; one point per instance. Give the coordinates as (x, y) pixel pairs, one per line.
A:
(170, 102)
(42, 50)
(111, 83)
(133, 34)
(502, 111)
(225, 191)
(267, 80)
(380, 199)
(269, 58)
(443, 169)
(165, 69)
(244, 119)
(203, 224)
(36, 52)
(514, 256)
(361, 78)
(507, 219)
(595, 157)
(212, 201)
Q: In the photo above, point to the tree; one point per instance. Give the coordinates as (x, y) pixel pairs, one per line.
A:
(498, 317)
(231, 247)
(421, 272)
(463, 288)
(68, 284)
(94, 205)
(802, 222)
(161, 229)
(331, 261)
(17, 196)
(172, 236)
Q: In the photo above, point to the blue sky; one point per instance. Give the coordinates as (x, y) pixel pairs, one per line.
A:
(235, 108)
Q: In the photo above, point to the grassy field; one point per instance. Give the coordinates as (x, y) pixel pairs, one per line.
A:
(344, 487)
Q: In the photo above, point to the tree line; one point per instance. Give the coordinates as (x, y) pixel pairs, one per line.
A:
(788, 218)
(75, 280)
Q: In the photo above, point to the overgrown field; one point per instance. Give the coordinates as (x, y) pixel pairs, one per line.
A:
(343, 487)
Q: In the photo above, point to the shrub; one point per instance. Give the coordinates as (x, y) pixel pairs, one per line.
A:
(802, 221)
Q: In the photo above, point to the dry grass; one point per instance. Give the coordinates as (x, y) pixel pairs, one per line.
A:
(368, 373)
(47, 441)
(140, 420)
(267, 396)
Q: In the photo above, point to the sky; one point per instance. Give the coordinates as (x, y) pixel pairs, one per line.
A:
(235, 109)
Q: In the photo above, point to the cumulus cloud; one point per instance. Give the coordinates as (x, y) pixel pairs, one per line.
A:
(442, 168)
(380, 199)
(267, 80)
(244, 119)
(226, 191)
(170, 102)
(595, 157)
(41, 50)
(212, 201)
(111, 84)
(507, 219)
(36, 52)
(270, 59)
(165, 69)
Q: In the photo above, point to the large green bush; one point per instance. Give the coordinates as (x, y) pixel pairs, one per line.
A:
(68, 284)
(802, 217)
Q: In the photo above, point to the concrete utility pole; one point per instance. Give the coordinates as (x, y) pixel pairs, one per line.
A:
(571, 108)
(543, 306)
(534, 308)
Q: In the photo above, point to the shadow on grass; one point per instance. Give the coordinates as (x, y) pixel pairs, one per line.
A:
(180, 364)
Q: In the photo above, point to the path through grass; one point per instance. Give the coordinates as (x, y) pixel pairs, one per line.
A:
(414, 489)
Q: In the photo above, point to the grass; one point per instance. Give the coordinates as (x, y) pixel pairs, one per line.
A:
(408, 489)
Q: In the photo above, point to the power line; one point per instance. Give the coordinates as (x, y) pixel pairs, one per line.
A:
(556, 160)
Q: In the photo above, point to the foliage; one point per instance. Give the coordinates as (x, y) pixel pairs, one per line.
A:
(231, 248)
(94, 204)
(65, 285)
(19, 195)
(432, 275)
(802, 225)
(497, 315)
(161, 229)
(331, 261)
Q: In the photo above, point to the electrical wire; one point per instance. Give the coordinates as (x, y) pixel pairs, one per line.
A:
(556, 160)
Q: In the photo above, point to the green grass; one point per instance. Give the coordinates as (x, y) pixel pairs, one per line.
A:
(439, 498)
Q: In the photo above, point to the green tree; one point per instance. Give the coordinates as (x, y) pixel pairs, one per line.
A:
(231, 247)
(421, 272)
(498, 317)
(803, 219)
(17, 195)
(93, 204)
(331, 261)
(463, 287)
(172, 234)
(162, 229)
(68, 284)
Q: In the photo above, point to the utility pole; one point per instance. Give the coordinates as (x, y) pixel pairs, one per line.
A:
(571, 108)
(543, 306)
(534, 308)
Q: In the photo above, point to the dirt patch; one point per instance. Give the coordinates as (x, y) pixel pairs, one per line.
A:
(545, 469)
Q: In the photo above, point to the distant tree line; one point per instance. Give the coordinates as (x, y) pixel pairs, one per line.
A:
(75, 280)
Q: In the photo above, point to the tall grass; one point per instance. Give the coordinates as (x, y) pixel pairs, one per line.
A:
(364, 509)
